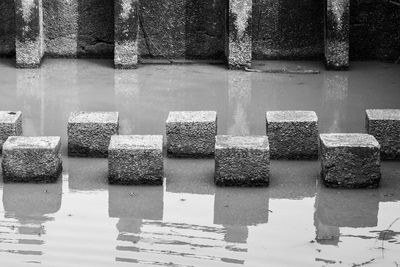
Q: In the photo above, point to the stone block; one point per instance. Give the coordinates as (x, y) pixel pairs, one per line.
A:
(29, 40)
(337, 30)
(384, 125)
(239, 46)
(292, 134)
(126, 33)
(89, 133)
(241, 160)
(136, 159)
(191, 133)
(32, 159)
(350, 160)
(10, 125)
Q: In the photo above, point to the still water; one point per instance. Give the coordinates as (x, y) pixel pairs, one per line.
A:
(82, 221)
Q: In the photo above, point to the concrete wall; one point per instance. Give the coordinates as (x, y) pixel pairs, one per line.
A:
(195, 28)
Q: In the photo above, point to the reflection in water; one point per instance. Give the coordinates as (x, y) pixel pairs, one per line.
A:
(86, 174)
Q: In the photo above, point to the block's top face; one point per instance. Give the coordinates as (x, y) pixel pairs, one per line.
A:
(241, 142)
(191, 116)
(291, 116)
(9, 116)
(348, 140)
(132, 142)
(38, 142)
(93, 117)
(383, 114)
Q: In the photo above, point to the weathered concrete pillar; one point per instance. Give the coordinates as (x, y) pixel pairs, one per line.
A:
(239, 39)
(337, 20)
(126, 34)
(29, 44)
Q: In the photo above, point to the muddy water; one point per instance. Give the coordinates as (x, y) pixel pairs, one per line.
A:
(81, 221)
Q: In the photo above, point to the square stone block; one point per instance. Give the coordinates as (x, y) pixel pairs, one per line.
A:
(241, 160)
(10, 125)
(89, 133)
(292, 134)
(32, 159)
(136, 159)
(350, 160)
(191, 133)
(384, 125)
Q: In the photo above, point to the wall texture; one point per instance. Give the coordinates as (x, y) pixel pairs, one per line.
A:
(195, 29)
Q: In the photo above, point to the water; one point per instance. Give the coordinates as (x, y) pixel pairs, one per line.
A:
(82, 221)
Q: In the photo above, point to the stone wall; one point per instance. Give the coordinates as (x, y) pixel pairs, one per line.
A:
(195, 29)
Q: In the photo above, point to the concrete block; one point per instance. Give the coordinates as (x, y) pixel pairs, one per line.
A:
(136, 159)
(10, 125)
(350, 160)
(292, 134)
(191, 133)
(89, 133)
(337, 29)
(126, 33)
(239, 46)
(32, 159)
(384, 125)
(29, 44)
(241, 160)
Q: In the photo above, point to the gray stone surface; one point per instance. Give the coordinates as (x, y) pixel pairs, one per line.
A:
(32, 159)
(89, 133)
(10, 125)
(136, 159)
(241, 160)
(292, 134)
(191, 133)
(350, 160)
(337, 31)
(384, 125)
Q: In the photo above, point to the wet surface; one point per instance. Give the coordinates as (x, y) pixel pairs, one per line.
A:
(82, 221)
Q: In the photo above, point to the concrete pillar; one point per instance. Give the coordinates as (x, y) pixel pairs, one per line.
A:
(337, 20)
(239, 36)
(29, 44)
(126, 34)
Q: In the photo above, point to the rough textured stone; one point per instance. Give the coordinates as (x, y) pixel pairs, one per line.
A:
(337, 30)
(191, 133)
(7, 27)
(241, 160)
(89, 133)
(126, 33)
(239, 46)
(10, 125)
(32, 159)
(293, 134)
(384, 125)
(29, 42)
(136, 159)
(350, 160)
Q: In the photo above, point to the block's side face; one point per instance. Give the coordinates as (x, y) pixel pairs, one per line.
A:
(241, 167)
(196, 139)
(10, 129)
(139, 166)
(293, 140)
(387, 133)
(126, 32)
(239, 47)
(350, 167)
(90, 139)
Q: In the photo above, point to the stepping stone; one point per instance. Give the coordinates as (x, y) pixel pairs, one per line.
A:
(292, 134)
(350, 160)
(191, 133)
(241, 160)
(384, 125)
(10, 125)
(136, 159)
(89, 133)
(32, 159)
